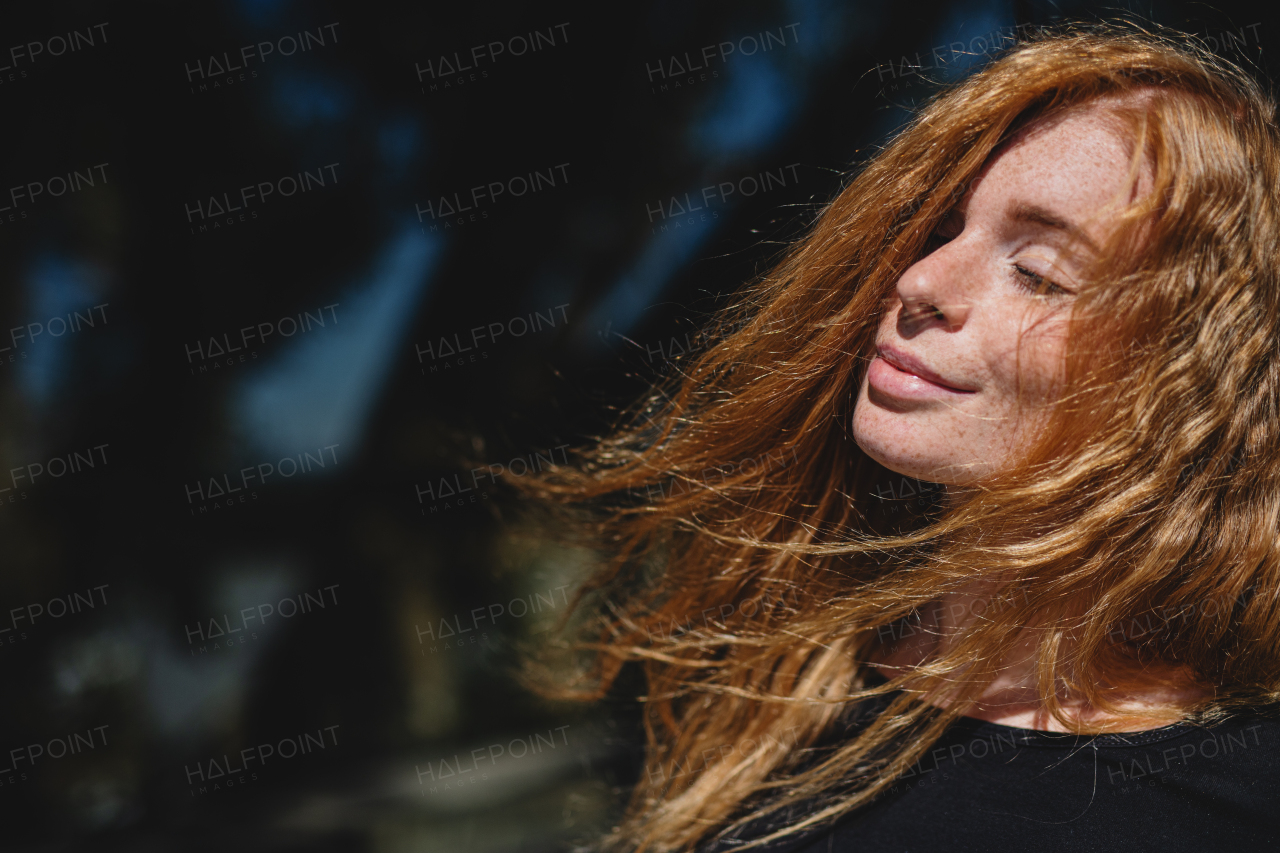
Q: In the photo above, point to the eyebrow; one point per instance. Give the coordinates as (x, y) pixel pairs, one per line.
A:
(1036, 215)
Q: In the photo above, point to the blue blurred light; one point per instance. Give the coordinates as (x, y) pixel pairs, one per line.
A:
(824, 26)
(320, 390)
(752, 109)
(978, 27)
(667, 252)
(400, 142)
(261, 12)
(56, 287)
(302, 98)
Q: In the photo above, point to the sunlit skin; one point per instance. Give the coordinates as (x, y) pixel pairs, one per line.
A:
(998, 277)
(985, 312)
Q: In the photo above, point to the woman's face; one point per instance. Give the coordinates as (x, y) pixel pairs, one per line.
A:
(984, 312)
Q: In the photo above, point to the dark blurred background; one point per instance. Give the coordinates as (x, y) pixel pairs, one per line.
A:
(278, 276)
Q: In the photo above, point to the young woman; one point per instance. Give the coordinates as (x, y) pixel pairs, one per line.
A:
(968, 535)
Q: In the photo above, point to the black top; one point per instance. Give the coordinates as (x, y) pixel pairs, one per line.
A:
(986, 786)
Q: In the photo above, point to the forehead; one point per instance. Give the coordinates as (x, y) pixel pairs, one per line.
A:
(1076, 163)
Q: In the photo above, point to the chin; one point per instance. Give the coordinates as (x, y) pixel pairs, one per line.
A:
(911, 454)
(912, 467)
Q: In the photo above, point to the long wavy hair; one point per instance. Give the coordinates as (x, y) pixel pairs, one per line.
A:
(753, 556)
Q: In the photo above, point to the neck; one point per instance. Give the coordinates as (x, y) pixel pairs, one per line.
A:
(1013, 697)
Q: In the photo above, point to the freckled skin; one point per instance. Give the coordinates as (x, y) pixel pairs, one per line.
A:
(1073, 165)
(960, 312)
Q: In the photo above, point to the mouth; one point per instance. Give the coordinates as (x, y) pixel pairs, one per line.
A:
(897, 366)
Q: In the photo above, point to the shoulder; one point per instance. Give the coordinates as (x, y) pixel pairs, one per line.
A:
(1224, 761)
(987, 786)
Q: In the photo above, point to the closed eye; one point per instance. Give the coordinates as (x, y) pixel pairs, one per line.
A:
(1035, 283)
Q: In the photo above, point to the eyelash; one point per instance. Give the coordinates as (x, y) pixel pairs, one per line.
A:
(1035, 283)
(1023, 278)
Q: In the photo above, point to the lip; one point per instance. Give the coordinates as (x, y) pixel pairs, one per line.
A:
(900, 374)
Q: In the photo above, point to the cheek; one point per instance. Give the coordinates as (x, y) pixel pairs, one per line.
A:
(1045, 354)
(1029, 361)
(889, 310)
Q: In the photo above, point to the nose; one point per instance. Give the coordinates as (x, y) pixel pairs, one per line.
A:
(933, 290)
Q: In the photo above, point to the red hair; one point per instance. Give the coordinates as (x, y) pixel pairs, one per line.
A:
(1153, 488)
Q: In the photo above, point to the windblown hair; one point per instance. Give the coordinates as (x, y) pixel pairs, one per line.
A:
(750, 561)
